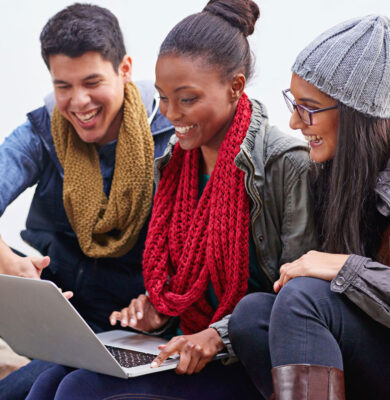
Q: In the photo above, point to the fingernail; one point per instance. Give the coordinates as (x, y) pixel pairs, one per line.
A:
(133, 321)
(153, 364)
(139, 315)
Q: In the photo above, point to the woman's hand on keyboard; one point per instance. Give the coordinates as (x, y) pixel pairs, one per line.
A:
(195, 350)
(140, 314)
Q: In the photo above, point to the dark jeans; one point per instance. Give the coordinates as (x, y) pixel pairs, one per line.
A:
(17, 385)
(215, 381)
(99, 285)
(307, 323)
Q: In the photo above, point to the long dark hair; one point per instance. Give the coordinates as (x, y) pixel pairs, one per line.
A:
(344, 197)
(218, 34)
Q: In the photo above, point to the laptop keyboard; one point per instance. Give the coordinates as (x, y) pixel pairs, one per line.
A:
(130, 358)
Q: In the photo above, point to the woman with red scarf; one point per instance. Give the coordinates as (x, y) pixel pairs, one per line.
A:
(231, 206)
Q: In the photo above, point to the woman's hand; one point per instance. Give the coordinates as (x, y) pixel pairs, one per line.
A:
(314, 264)
(140, 314)
(195, 350)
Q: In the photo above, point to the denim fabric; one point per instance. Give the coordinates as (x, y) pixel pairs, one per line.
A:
(214, 382)
(17, 385)
(308, 323)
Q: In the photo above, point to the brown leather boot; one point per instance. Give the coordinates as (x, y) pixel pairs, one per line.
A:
(308, 382)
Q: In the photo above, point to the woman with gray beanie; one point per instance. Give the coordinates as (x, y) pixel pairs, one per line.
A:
(326, 334)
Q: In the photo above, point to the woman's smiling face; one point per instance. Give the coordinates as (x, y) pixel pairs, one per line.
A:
(322, 134)
(196, 100)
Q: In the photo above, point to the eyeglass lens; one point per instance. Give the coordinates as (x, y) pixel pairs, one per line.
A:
(304, 114)
(291, 105)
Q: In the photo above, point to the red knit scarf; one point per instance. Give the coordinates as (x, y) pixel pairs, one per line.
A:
(192, 241)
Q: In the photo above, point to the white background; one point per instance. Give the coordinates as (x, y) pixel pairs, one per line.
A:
(284, 28)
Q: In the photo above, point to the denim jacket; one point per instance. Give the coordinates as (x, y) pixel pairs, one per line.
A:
(28, 157)
(276, 180)
(364, 281)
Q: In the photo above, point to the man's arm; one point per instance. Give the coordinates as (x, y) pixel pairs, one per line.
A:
(21, 163)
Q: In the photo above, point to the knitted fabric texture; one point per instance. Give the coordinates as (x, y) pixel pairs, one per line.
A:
(351, 63)
(90, 213)
(192, 241)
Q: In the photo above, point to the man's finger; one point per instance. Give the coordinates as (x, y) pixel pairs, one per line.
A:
(68, 294)
(40, 262)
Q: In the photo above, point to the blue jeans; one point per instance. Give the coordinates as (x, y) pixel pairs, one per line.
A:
(308, 323)
(17, 385)
(215, 381)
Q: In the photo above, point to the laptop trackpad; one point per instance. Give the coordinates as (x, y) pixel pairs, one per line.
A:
(132, 341)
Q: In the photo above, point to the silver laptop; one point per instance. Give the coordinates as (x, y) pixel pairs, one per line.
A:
(38, 322)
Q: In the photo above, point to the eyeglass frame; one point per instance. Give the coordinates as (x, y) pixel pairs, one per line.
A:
(291, 102)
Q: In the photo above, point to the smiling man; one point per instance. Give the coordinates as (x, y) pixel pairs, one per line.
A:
(90, 151)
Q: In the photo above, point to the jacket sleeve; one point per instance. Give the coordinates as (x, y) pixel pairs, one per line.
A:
(221, 327)
(21, 158)
(367, 284)
(298, 232)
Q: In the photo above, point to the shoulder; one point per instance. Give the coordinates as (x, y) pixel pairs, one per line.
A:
(40, 120)
(148, 94)
(280, 146)
(23, 136)
(158, 123)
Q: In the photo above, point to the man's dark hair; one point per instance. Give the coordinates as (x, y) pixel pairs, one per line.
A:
(218, 34)
(80, 28)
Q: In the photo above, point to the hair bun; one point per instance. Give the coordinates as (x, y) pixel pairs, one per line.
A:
(242, 14)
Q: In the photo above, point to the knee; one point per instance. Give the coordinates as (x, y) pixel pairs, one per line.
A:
(250, 315)
(300, 296)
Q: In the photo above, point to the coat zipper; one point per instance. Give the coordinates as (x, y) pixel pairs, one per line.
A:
(255, 239)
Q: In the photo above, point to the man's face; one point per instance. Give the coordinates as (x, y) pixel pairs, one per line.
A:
(89, 94)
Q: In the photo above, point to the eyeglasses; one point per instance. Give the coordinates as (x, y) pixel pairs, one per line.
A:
(305, 114)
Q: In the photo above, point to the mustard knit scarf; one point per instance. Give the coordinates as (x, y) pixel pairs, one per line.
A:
(90, 213)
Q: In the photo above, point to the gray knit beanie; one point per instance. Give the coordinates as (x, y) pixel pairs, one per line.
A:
(351, 63)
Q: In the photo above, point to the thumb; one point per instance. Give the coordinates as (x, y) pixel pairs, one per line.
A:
(40, 262)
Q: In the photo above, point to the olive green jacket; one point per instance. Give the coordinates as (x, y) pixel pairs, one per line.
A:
(276, 180)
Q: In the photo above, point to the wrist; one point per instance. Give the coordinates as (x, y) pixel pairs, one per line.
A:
(216, 338)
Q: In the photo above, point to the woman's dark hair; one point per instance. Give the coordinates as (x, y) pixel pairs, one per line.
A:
(344, 197)
(80, 28)
(218, 34)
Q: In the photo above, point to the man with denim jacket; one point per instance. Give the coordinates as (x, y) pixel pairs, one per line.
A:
(83, 48)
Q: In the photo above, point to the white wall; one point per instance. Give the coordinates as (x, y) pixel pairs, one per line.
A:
(284, 28)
